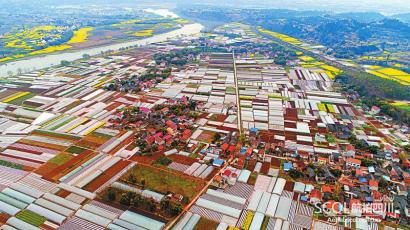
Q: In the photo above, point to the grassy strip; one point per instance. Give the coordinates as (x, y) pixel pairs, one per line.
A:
(10, 164)
(265, 223)
(75, 150)
(60, 159)
(54, 134)
(31, 218)
(20, 100)
(63, 123)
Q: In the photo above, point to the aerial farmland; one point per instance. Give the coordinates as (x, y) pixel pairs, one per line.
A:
(238, 127)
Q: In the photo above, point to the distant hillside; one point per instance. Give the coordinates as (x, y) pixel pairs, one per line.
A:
(347, 34)
(403, 17)
(362, 16)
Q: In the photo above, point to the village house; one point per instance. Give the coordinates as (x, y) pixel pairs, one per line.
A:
(373, 185)
(352, 163)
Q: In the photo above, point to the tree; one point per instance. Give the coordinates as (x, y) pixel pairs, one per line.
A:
(337, 173)
(217, 136)
(163, 161)
(165, 204)
(383, 184)
(65, 63)
(367, 162)
(112, 194)
(125, 199)
(192, 105)
(295, 174)
(154, 148)
(242, 138)
(150, 204)
(132, 179)
(138, 200)
(337, 190)
(170, 207)
(174, 143)
(403, 155)
(176, 209)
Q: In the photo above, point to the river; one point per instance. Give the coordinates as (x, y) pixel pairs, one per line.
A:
(40, 62)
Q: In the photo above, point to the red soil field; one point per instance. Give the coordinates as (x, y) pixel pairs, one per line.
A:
(106, 176)
(69, 165)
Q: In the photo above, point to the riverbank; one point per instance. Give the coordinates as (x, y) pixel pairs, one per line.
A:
(40, 62)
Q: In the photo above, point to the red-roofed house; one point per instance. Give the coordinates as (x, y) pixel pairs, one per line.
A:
(393, 174)
(150, 139)
(406, 163)
(315, 196)
(227, 173)
(353, 163)
(232, 149)
(225, 146)
(159, 140)
(406, 178)
(323, 160)
(375, 110)
(326, 188)
(377, 196)
(186, 134)
(395, 157)
(167, 137)
(373, 185)
(171, 124)
(350, 151)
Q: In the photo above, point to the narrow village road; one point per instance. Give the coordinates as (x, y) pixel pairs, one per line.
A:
(238, 106)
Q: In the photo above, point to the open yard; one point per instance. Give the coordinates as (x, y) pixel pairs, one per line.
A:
(163, 181)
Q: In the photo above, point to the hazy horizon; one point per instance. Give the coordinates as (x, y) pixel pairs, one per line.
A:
(385, 7)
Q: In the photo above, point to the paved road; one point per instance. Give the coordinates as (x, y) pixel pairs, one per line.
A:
(239, 114)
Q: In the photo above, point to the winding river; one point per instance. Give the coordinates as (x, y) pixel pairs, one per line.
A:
(40, 62)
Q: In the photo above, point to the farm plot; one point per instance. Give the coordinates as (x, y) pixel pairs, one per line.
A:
(163, 181)
(390, 73)
(31, 218)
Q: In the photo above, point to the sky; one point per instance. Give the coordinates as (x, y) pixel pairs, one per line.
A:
(381, 6)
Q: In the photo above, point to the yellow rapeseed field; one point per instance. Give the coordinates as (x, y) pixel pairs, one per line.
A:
(6, 59)
(15, 96)
(80, 35)
(306, 58)
(390, 73)
(402, 104)
(128, 22)
(280, 36)
(394, 72)
(144, 33)
(51, 49)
